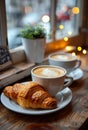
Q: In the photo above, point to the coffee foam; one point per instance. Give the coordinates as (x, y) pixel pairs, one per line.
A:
(63, 57)
(49, 72)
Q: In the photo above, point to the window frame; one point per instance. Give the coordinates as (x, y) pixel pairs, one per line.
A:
(3, 26)
(50, 47)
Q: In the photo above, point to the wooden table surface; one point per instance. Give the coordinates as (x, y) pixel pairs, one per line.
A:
(73, 117)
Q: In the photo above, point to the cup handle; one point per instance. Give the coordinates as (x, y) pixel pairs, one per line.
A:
(77, 65)
(68, 81)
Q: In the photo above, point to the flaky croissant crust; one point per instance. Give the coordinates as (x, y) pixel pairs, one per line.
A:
(30, 95)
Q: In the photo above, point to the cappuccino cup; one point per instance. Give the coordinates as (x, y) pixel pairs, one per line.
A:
(52, 78)
(65, 60)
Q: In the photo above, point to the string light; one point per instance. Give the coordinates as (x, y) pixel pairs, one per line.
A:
(84, 51)
(76, 50)
(79, 48)
(70, 48)
(65, 39)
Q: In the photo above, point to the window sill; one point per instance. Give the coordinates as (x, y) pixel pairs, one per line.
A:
(15, 73)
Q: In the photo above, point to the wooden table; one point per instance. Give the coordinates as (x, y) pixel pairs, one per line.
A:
(73, 117)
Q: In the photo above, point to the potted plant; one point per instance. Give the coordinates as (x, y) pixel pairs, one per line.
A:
(33, 39)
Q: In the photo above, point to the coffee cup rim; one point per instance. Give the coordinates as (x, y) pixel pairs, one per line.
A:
(65, 71)
(49, 57)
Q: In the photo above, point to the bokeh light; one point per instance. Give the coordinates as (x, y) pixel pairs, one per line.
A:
(61, 27)
(75, 10)
(73, 53)
(79, 48)
(84, 51)
(69, 33)
(45, 18)
(65, 39)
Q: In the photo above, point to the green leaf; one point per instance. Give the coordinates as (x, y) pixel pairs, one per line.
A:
(33, 32)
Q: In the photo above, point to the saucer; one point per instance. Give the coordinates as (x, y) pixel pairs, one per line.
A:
(76, 74)
(63, 98)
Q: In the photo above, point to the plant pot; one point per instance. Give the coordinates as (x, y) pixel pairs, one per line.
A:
(34, 49)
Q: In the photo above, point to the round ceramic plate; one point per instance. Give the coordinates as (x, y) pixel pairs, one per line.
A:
(63, 98)
(76, 74)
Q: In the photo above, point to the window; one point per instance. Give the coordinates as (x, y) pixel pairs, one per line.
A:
(57, 16)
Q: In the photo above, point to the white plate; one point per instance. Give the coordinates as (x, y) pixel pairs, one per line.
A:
(76, 74)
(63, 99)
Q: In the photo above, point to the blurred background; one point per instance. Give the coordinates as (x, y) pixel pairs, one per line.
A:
(61, 18)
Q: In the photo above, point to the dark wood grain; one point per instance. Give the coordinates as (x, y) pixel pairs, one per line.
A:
(72, 117)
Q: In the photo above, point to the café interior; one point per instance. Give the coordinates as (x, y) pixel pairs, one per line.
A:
(65, 24)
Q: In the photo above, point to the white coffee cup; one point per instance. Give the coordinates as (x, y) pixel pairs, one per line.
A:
(65, 60)
(52, 78)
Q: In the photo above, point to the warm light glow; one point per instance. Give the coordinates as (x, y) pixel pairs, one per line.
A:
(65, 39)
(79, 56)
(84, 51)
(61, 27)
(75, 10)
(69, 33)
(79, 48)
(70, 48)
(45, 18)
(73, 53)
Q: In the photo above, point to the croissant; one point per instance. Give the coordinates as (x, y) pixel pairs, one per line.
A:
(30, 95)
